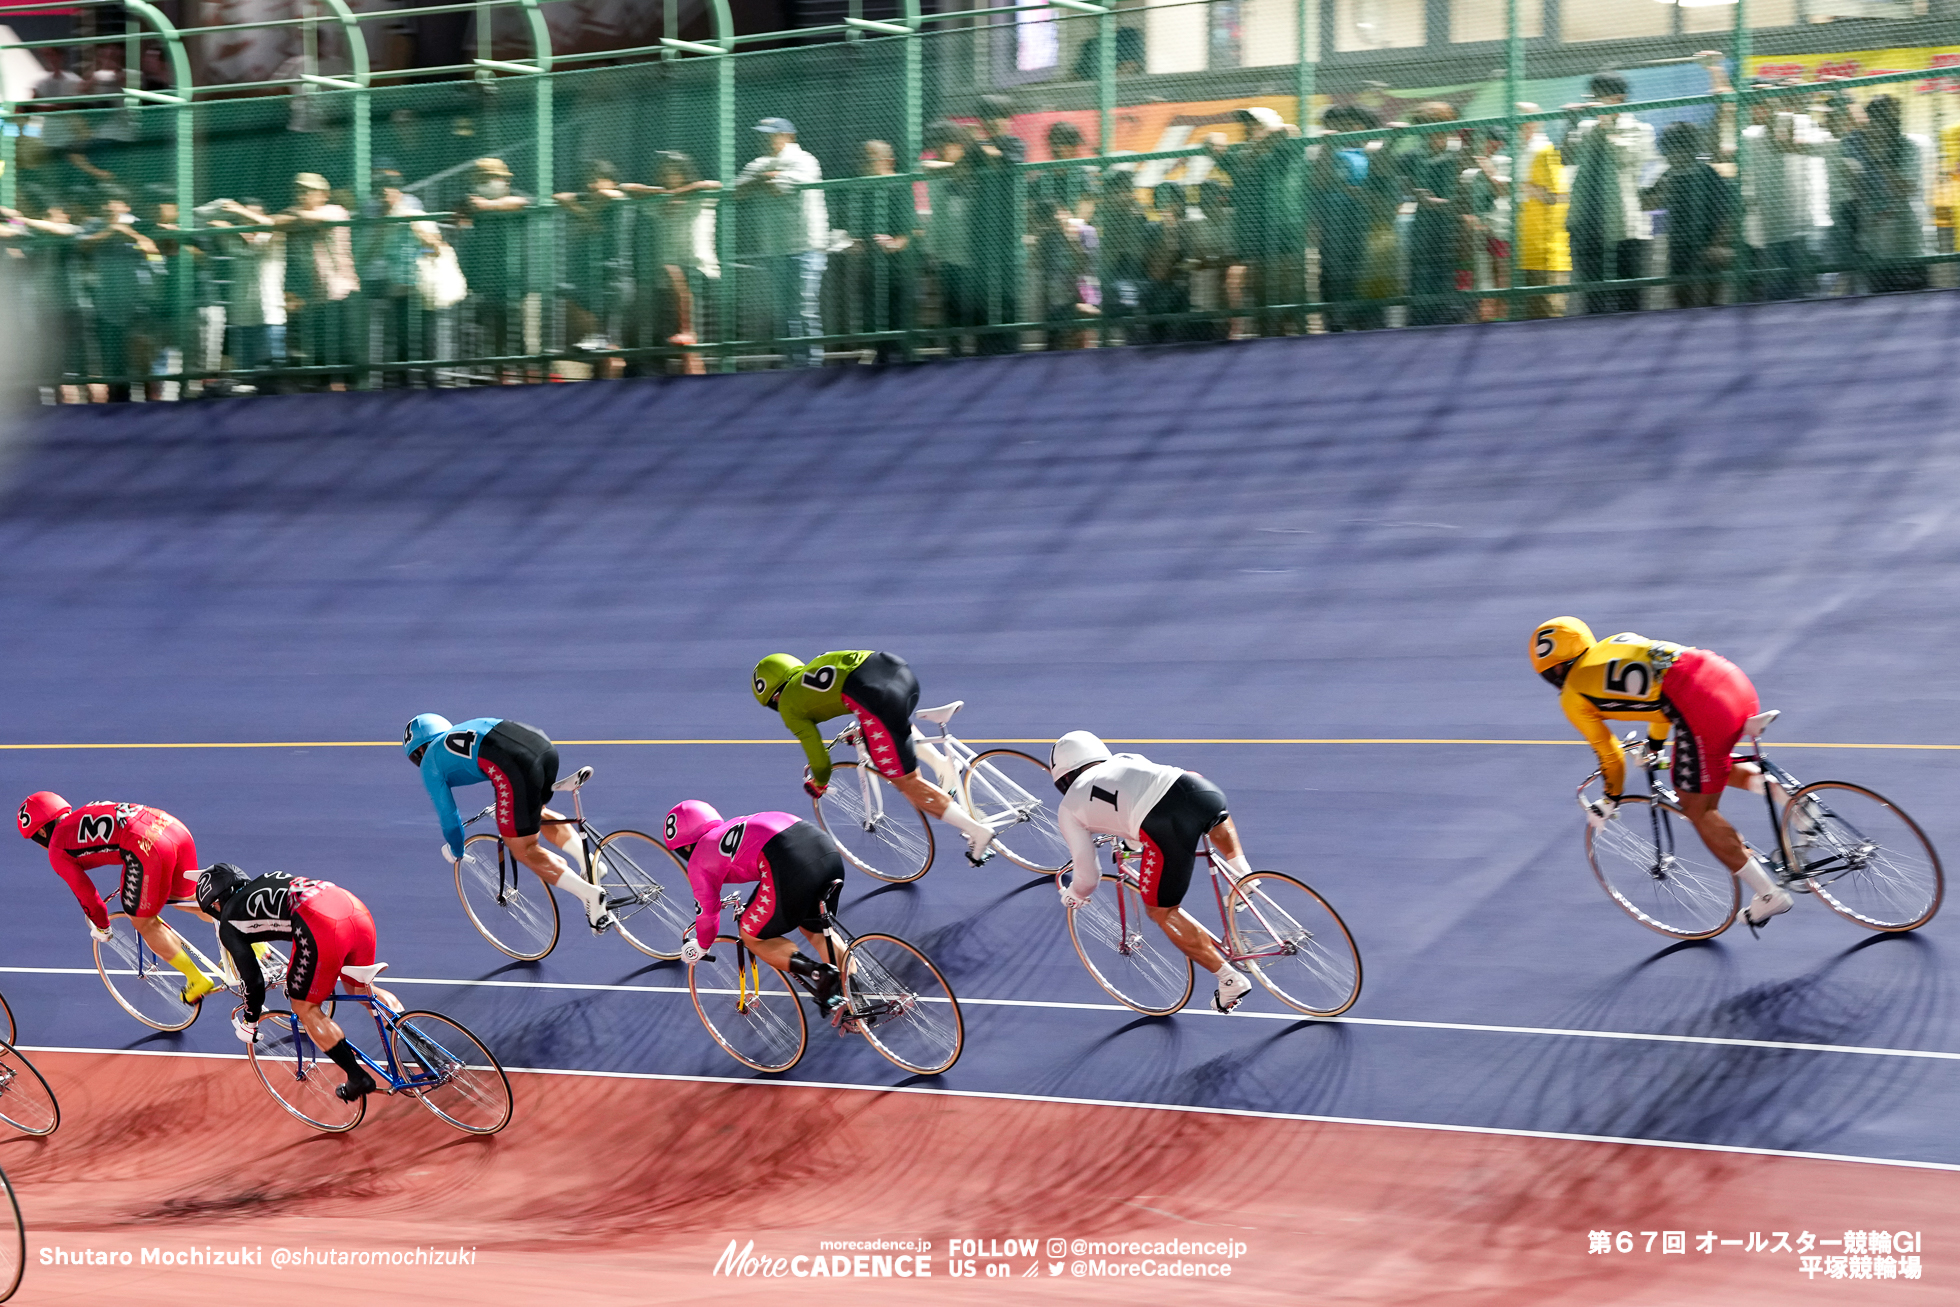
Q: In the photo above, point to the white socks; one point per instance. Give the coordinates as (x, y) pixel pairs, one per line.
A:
(1239, 866)
(1757, 877)
(963, 822)
(573, 883)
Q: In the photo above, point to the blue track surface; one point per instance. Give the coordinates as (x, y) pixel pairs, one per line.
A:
(1334, 538)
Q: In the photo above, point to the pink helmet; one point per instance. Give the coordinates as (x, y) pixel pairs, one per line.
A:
(687, 822)
(40, 808)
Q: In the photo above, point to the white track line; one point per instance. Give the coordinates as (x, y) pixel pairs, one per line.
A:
(1712, 1041)
(1308, 1118)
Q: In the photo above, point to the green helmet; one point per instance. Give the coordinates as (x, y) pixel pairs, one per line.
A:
(771, 675)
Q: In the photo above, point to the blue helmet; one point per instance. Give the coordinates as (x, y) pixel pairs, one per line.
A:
(423, 730)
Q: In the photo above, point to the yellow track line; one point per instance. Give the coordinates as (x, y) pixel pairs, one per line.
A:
(395, 744)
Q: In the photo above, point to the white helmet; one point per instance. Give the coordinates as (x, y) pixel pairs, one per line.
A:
(1076, 749)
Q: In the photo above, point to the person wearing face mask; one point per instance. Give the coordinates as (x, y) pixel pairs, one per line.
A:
(491, 253)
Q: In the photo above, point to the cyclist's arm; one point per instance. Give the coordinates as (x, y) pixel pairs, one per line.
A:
(246, 964)
(707, 897)
(811, 739)
(71, 871)
(1612, 763)
(1081, 848)
(445, 801)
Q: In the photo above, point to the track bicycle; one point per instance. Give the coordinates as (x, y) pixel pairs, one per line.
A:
(893, 995)
(425, 1055)
(1849, 846)
(149, 988)
(13, 1241)
(518, 913)
(1273, 925)
(26, 1102)
(885, 837)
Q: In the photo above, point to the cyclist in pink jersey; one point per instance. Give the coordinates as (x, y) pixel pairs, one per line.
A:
(797, 872)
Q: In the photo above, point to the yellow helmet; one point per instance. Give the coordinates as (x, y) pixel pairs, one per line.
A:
(1557, 642)
(771, 675)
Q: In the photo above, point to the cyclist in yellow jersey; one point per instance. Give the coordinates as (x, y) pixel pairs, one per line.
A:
(1701, 698)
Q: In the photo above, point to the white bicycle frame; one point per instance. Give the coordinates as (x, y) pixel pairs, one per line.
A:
(948, 757)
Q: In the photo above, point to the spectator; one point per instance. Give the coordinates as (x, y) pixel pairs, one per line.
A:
(490, 249)
(319, 278)
(1544, 248)
(598, 242)
(1065, 249)
(1120, 238)
(792, 235)
(57, 84)
(402, 326)
(682, 223)
(154, 68)
(1269, 217)
(255, 316)
(949, 231)
(53, 285)
(119, 251)
(1208, 229)
(1487, 186)
(1352, 207)
(995, 222)
(1841, 121)
(1070, 188)
(1891, 169)
(883, 224)
(1701, 211)
(1611, 233)
(1780, 165)
(1439, 233)
(1168, 257)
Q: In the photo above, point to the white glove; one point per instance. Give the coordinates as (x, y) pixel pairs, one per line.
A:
(448, 854)
(247, 1031)
(98, 935)
(1073, 898)
(1600, 811)
(691, 951)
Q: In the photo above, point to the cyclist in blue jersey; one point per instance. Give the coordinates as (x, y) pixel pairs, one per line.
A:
(521, 764)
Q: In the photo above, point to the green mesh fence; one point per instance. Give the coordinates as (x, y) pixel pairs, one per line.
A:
(1022, 178)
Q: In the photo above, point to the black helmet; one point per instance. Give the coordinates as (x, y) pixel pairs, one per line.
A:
(215, 886)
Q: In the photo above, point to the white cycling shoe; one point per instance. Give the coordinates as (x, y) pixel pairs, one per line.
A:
(1231, 989)
(979, 848)
(1770, 903)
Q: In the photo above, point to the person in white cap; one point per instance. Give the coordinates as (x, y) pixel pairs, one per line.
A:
(792, 233)
(1167, 811)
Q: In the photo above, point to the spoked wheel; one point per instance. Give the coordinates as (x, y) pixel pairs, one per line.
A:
(748, 1006)
(507, 903)
(1294, 942)
(1011, 791)
(1126, 952)
(143, 984)
(6, 1019)
(272, 966)
(1640, 860)
(895, 845)
(26, 1102)
(900, 1002)
(13, 1241)
(300, 1076)
(1863, 856)
(647, 888)
(469, 1089)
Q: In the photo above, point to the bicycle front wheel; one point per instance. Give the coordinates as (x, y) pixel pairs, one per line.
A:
(505, 900)
(300, 1077)
(13, 1242)
(748, 1006)
(26, 1102)
(451, 1071)
(143, 984)
(1126, 953)
(639, 874)
(1006, 789)
(1864, 856)
(1294, 942)
(876, 827)
(902, 1005)
(1638, 862)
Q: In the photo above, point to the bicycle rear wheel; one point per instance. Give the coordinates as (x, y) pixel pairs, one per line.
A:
(143, 984)
(902, 1005)
(26, 1102)
(1006, 789)
(1294, 942)
(894, 846)
(470, 1091)
(1639, 862)
(748, 1006)
(505, 900)
(1126, 953)
(1864, 856)
(302, 1078)
(637, 871)
(13, 1241)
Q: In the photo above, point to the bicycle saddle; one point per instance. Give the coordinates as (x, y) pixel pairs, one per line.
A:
(364, 975)
(1753, 728)
(572, 782)
(941, 715)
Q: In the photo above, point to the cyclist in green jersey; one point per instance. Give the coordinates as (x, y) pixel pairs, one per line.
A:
(880, 690)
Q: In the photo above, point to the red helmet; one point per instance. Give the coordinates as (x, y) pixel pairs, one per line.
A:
(687, 822)
(40, 809)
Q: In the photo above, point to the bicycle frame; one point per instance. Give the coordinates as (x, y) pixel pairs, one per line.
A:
(507, 867)
(148, 960)
(946, 754)
(1221, 876)
(390, 1076)
(1775, 777)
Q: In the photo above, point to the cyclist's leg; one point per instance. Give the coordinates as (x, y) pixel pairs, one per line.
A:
(882, 694)
(522, 765)
(331, 930)
(1170, 833)
(147, 885)
(801, 879)
(1708, 700)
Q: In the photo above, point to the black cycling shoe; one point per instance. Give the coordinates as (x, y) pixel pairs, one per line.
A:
(358, 1086)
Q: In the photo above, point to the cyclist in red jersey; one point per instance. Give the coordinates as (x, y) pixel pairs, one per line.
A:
(158, 860)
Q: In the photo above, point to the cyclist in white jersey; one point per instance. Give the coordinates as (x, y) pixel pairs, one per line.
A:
(1166, 811)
